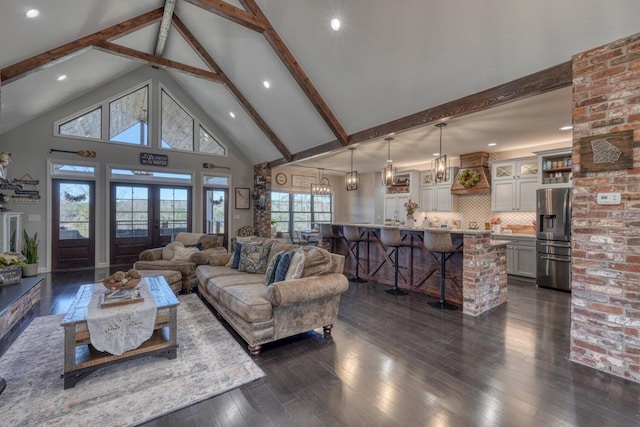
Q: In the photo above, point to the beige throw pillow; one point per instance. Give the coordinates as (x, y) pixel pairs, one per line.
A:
(296, 267)
(183, 254)
(169, 250)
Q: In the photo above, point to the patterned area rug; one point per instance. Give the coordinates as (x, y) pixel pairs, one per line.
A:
(209, 362)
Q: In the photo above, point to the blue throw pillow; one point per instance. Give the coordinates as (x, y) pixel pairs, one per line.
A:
(270, 274)
(236, 255)
(283, 266)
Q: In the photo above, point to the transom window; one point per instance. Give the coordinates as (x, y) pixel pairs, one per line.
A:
(124, 119)
(299, 211)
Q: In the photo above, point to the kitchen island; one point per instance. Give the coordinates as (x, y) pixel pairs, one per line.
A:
(476, 277)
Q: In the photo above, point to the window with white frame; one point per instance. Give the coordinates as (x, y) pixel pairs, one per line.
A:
(299, 211)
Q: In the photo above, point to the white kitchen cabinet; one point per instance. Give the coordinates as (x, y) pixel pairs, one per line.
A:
(514, 184)
(405, 189)
(437, 197)
(521, 256)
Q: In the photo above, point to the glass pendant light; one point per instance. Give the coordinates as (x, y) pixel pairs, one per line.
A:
(387, 171)
(351, 179)
(441, 164)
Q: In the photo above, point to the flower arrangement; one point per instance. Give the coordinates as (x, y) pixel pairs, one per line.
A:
(495, 220)
(9, 259)
(411, 207)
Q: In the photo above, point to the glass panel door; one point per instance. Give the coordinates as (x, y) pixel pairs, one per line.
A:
(73, 209)
(216, 211)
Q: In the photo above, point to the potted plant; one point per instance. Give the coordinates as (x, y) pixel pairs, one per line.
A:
(30, 252)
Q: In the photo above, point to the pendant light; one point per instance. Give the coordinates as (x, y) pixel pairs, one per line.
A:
(351, 179)
(322, 188)
(387, 172)
(441, 164)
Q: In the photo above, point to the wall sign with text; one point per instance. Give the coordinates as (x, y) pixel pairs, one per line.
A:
(154, 159)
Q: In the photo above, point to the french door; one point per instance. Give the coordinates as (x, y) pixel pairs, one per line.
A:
(146, 216)
(73, 223)
(216, 211)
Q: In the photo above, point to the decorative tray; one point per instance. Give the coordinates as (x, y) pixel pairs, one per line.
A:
(120, 297)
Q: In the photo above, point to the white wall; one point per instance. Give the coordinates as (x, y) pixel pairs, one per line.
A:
(30, 143)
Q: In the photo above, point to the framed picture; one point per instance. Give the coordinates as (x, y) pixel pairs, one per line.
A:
(302, 180)
(281, 179)
(242, 198)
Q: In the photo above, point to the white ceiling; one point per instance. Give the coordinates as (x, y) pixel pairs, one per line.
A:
(391, 59)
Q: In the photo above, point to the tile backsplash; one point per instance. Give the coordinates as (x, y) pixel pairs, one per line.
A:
(477, 207)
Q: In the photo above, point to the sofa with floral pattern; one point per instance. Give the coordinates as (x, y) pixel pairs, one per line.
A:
(268, 290)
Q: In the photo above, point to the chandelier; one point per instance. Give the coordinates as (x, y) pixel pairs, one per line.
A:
(441, 164)
(351, 178)
(322, 188)
(387, 171)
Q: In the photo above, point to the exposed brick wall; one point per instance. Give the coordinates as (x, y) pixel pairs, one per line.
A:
(605, 327)
(484, 285)
(262, 212)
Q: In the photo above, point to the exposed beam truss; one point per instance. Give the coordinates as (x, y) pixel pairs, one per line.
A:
(230, 12)
(66, 51)
(538, 83)
(136, 55)
(297, 72)
(207, 59)
(165, 25)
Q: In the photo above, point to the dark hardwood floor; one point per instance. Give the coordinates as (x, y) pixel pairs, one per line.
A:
(395, 361)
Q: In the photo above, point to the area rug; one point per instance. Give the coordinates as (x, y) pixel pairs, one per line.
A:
(209, 363)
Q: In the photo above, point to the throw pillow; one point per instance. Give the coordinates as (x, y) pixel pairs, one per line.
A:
(253, 259)
(209, 241)
(283, 266)
(198, 246)
(296, 266)
(168, 251)
(270, 274)
(235, 259)
(183, 254)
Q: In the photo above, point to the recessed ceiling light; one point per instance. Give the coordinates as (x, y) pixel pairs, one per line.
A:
(266, 84)
(436, 154)
(492, 144)
(32, 13)
(232, 114)
(335, 24)
(61, 77)
(566, 128)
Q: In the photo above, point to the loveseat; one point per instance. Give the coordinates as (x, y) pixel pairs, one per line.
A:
(303, 296)
(184, 254)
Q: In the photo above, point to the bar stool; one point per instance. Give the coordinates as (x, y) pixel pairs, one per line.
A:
(352, 235)
(390, 237)
(439, 242)
(326, 233)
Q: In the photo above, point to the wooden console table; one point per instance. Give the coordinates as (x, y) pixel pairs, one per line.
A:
(80, 358)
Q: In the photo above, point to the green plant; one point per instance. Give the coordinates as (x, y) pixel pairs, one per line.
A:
(30, 249)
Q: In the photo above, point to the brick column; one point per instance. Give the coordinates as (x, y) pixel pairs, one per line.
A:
(605, 312)
(484, 281)
(262, 209)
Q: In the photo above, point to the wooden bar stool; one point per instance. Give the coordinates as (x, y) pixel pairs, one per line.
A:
(439, 242)
(326, 233)
(390, 237)
(352, 234)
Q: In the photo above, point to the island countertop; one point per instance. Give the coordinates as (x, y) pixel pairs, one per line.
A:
(476, 276)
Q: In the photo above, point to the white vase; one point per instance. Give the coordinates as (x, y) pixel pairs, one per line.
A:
(29, 270)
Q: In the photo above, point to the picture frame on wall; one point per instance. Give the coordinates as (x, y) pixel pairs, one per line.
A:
(242, 198)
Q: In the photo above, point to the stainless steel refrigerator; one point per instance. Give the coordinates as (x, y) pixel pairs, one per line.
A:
(553, 238)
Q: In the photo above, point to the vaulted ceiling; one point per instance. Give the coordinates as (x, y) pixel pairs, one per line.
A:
(391, 69)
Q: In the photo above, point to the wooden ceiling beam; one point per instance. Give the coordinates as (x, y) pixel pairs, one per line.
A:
(165, 25)
(211, 63)
(287, 58)
(157, 61)
(69, 50)
(538, 83)
(230, 12)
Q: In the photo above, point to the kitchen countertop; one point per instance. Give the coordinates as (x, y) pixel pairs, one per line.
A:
(519, 235)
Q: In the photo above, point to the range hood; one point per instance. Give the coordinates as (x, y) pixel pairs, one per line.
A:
(470, 164)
